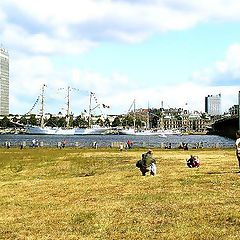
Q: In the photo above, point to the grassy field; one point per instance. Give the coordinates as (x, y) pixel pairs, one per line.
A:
(100, 194)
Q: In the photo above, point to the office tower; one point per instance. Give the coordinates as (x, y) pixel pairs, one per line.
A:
(4, 82)
(213, 105)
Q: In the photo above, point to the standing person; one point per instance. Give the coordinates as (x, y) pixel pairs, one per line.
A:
(95, 145)
(121, 147)
(34, 143)
(148, 163)
(63, 144)
(129, 144)
(238, 148)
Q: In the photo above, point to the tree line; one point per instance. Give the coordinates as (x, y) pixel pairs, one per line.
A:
(141, 120)
(56, 121)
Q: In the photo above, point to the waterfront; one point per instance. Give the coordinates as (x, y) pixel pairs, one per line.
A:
(208, 141)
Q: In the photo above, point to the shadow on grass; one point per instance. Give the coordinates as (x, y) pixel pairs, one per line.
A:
(222, 172)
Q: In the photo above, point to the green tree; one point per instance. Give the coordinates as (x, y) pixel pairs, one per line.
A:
(62, 122)
(154, 121)
(52, 121)
(23, 120)
(5, 123)
(100, 122)
(127, 121)
(80, 122)
(116, 122)
(32, 120)
(138, 123)
(107, 122)
(71, 120)
(15, 119)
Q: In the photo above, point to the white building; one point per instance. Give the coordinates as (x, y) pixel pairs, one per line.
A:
(213, 105)
(4, 82)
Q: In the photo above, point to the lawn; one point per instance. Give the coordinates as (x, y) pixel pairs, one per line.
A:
(72, 193)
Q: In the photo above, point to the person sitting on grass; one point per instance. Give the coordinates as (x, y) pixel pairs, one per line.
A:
(147, 163)
(193, 162)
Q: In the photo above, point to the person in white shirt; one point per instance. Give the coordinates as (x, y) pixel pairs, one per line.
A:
(238, 148)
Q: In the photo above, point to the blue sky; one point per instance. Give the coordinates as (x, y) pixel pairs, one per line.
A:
(170, 51)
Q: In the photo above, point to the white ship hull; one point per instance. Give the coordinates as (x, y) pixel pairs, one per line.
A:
(96, 130)
(35, 130)
(132, 131)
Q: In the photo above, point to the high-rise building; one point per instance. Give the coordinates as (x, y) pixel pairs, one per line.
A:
(4, 82)
(213, 105)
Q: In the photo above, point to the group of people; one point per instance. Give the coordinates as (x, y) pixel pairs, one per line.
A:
(62, 144)
(35, 143)
(126, 146)
(148, 162)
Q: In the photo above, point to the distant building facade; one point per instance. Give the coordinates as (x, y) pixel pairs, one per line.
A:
(189, 122)
(234, 110)
(213, 105)
(4, 82)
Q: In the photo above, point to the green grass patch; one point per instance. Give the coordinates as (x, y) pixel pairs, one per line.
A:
(100, 194)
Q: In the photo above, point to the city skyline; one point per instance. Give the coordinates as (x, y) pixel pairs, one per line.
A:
(175, 52)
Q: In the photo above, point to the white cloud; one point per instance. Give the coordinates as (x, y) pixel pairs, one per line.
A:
(20, 40)
(92, 21)
(224, 72)
(27, 75)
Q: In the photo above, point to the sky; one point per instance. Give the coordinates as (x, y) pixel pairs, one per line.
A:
(170, 53)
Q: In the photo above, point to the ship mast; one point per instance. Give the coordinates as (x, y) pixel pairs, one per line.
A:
(68, 108)
(42, 107)
(90, 110)
(148, 117)
(134, 114)
(133, 105)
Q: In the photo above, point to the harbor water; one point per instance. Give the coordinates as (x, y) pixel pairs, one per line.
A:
(206, 141)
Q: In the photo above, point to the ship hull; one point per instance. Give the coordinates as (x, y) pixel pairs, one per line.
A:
(35, 130)
(149, 132)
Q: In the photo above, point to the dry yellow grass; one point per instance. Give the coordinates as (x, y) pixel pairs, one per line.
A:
(100, 194)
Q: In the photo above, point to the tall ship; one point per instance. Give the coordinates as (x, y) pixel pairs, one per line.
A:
(147, 131)
(46, 130)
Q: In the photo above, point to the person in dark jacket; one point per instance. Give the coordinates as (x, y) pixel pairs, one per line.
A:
(148, 163)
(193, 162)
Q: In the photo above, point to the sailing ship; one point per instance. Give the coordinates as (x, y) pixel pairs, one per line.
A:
(148, 131)
(46, 130)
(92, 129)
